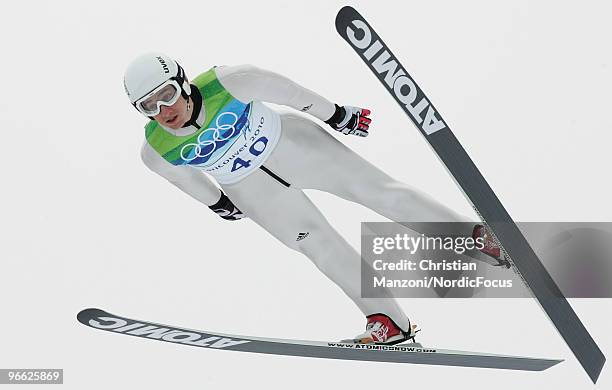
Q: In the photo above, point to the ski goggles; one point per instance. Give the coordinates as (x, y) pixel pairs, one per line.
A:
(165, 95)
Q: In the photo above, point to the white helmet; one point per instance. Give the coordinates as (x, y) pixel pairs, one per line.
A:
(148, 74)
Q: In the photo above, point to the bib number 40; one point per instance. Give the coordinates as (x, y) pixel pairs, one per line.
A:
(256, 149)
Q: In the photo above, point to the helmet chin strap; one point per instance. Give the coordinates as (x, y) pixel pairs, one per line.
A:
(188, 108)
(196, 98)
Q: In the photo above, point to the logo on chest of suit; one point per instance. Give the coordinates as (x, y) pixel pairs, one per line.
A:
(209, 140)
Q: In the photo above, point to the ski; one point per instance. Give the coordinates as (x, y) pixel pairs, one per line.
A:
(394, 77)
(401, 353)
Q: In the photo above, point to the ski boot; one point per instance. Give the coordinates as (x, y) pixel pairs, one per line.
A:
(491, 247)
(380, 329)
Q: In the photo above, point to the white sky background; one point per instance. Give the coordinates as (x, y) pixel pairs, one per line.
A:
(524, 85)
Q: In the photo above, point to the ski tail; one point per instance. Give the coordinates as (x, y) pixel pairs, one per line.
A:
(358, 33)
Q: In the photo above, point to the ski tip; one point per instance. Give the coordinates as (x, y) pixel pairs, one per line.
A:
(86, 314)
(345, 14)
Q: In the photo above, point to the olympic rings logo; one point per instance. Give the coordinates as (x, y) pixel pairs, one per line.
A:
(206, 147)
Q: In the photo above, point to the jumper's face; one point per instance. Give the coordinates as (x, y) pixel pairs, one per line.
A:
(174, 116)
